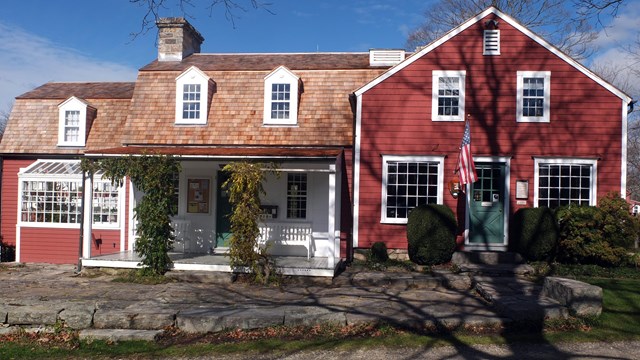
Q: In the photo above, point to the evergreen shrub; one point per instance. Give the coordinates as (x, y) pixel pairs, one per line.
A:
(431, 234)
(379, 252)
(535, 233)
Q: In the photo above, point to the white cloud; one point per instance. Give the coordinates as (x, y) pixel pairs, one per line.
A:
(29, 61)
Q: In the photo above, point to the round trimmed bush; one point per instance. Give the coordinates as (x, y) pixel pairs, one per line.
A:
(535, 233)
(431, 234)
(379, 252)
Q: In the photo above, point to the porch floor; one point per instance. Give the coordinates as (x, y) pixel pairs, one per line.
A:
(288, 265)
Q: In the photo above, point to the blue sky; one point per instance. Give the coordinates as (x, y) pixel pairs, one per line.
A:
(87, 40)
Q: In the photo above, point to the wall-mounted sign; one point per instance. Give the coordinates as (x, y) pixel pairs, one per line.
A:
(198, 196)
(522, 189)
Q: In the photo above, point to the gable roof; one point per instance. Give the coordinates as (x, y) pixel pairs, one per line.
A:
(83, 90)
(33, 123)
(511, 21)
(267, 62)
(235, 114)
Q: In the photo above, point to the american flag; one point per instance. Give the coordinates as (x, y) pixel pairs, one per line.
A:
(466, 167)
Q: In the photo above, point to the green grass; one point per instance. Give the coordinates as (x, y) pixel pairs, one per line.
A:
(620, 320)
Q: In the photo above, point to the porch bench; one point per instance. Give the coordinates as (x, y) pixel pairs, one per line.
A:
(287, 233)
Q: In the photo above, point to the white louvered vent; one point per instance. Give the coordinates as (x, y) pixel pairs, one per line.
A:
(385, 57)
(491, 42)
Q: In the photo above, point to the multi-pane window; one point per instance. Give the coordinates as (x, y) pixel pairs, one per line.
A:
(448, 95)
(191, 101)
(408, 183)
(565, 183)
(105, 203)
(280, 101)
(51, 193)
(71, 126)
(52, 202)
(297, 196)
(192, 97)
(281, 92)
(533, 96)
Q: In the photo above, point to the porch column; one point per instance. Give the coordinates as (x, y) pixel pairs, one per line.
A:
(88, 216)
(331, 228)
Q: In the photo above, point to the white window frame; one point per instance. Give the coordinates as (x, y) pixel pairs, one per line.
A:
(24, 177)
(436, 75)
(281, 75)
(72, 104)
(546, 107)
(385, 175)
(305, 196)
(491, 42)
(593, 185)
(192, 76)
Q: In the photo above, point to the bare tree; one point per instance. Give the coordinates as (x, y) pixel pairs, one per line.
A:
(4, 118)
(187, 7)
(549, 18)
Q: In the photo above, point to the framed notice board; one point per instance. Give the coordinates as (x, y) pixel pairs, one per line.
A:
(198, 196)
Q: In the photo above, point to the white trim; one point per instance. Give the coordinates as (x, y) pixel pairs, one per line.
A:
(131, 218)
(506, 160)
(623, 165)
(510, 21)
(593, 185)
(410, 158)
(73, 104)
(331, 221)
(356, 171)
(435, 78)
(192, 76)
(87, 212)
(281, 75)
(546, 107)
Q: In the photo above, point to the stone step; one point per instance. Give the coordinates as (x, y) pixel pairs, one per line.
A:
(486, 257)
(395, 281)
(115, 335)
(509, 270)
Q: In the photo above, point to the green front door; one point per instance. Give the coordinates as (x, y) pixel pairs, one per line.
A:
(223, 211)
(486, 208)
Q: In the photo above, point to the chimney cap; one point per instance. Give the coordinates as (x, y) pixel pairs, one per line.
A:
(170, 22)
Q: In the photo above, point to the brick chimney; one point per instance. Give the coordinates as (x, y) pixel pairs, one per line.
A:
(177, 39)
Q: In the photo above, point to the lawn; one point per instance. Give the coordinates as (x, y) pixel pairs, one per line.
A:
(620, 320)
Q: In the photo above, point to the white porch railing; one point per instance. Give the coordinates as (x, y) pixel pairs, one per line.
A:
(287, 233)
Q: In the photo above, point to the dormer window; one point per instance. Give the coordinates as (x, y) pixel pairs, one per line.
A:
(281, 97)
(192, 96)
(72, 123)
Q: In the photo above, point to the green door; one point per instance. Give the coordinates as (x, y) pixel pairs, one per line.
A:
(486, 209)
(223, 211)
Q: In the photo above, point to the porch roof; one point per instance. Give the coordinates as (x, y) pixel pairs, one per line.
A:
(222, 152)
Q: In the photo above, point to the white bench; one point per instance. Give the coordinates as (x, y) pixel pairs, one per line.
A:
(181, 233)
(286, 233)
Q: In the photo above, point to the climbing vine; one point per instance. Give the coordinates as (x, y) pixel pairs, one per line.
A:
(244, 186)
(153, 175)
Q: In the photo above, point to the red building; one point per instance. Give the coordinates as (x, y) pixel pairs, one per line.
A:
(545, 131)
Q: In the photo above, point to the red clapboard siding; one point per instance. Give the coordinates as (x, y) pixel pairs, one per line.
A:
(585, 121)
(10, 169)
(49, 245)
(105, 242)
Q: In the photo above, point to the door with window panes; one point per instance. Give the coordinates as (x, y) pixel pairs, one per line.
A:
(486, 207)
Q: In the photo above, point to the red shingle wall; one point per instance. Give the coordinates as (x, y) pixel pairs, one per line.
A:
(396, 119)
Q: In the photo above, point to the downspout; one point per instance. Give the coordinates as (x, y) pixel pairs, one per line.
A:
(81, 239)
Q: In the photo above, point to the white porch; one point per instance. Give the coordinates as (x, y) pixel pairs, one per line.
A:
(287, 265)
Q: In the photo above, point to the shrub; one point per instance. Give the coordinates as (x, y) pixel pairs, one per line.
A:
(587, 235)
(620, 228)
(7, 252)
(431, 234)
(379, 252)
(535, 233)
